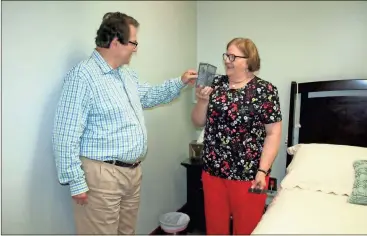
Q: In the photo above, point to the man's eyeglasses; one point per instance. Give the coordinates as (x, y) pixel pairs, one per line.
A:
(231, 57)
(134, 43)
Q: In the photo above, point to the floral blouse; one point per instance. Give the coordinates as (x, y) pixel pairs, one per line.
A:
(235, 127)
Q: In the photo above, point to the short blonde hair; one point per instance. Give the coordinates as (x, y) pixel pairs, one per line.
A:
(249, 50)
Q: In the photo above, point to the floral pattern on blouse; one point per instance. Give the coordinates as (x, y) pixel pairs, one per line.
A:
(235, 127)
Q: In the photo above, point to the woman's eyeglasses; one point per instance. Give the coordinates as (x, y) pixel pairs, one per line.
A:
(231, 57)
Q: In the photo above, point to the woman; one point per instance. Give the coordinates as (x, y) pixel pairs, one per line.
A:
(242, 119)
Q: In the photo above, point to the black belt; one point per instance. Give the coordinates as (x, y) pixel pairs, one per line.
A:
(123, 164)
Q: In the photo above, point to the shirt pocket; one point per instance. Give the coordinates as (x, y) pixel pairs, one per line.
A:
(110, 100)
(107, 101)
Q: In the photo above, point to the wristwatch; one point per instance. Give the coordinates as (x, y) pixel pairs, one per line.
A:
(261, 170)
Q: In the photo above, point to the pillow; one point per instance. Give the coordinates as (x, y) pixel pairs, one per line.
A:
(323, 167)
(292, 151)
(359, 192)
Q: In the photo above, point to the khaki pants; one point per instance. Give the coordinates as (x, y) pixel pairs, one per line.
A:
(113, 199)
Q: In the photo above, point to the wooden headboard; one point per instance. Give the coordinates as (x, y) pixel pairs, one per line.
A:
(336, 119)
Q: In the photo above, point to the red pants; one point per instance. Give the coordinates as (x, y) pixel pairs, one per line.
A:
(223, 198)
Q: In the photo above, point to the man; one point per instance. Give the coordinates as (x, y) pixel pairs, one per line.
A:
(100, 136)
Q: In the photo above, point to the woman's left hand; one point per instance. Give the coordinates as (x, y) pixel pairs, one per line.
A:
(259, 182)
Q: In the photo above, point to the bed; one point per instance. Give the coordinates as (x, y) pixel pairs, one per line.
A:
(326, 165)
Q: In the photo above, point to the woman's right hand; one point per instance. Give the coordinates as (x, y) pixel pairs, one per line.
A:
(203, 93)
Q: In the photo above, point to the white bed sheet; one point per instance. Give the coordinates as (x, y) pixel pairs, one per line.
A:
(298, 211)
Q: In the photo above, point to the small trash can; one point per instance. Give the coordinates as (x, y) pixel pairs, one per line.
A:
(174, 222)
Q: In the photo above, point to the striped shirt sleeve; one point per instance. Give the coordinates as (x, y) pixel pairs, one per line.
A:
(151, 96)
(70, 121)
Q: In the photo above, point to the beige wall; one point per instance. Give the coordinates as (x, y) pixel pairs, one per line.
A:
(41, 41)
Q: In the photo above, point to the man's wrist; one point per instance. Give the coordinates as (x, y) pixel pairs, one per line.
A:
(78, 187)
(180, 84)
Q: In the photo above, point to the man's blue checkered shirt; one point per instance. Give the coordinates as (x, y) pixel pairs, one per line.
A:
(100, 116)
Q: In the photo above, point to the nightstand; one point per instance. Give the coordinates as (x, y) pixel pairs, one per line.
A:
(195, 195)
(269, 199)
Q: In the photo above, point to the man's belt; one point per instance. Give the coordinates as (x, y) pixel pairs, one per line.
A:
(123, 164)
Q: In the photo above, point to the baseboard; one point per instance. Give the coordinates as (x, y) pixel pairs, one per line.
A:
(159, 231)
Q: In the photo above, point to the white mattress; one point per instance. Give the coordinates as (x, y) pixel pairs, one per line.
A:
(298, 211)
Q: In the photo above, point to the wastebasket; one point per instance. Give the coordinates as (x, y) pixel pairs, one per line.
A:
(174, 222)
